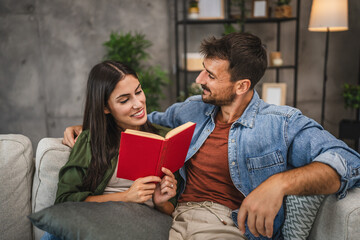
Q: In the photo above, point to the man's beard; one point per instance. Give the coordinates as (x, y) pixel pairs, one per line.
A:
(226, 97)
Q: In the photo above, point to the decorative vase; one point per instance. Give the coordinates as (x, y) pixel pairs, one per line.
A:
(275, 59)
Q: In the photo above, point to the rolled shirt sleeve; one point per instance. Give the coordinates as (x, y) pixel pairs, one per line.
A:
(309, 142)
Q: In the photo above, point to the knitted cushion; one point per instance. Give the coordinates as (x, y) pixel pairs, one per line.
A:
(300, 215)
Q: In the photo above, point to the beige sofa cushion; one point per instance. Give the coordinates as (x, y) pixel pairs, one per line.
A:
(16, 171)
(51, 155)
(338, 219)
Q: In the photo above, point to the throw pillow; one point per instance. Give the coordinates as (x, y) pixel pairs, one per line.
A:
(300, 215)
(109, 220)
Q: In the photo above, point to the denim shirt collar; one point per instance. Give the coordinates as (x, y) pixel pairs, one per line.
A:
(247, 119)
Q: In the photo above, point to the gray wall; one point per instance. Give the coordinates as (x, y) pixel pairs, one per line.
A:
(48, 47)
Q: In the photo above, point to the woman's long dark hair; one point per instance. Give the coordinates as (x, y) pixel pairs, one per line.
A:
(104, 132)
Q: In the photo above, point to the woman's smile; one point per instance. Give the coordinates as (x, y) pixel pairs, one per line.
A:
(139, 114)
(127, 103)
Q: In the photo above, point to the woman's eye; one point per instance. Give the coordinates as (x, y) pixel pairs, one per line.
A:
(138, 92)
(124, 101)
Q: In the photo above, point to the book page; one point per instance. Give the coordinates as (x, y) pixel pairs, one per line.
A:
(178, 129)
(144, 134)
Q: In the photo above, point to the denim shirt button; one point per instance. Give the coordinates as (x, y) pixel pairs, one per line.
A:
(232, 140)
(233, 163)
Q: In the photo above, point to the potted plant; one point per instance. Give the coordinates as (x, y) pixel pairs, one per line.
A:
(351, 128)
(130, 49)
(193, 11)
(237, 9)
(238, 12)
(283, 9)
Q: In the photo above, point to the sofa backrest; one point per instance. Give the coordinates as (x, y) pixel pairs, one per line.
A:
(51, 155)
(16, 172)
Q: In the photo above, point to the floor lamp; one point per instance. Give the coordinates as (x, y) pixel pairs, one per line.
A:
(328, 16)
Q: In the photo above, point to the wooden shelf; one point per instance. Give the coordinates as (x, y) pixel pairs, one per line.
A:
(181, 21)
(224, 21)
(281, 67)
(269, 67)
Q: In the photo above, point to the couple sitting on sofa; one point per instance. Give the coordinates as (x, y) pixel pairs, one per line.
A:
(244, 158)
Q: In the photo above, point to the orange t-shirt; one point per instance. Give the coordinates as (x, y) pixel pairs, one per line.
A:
(207, 172)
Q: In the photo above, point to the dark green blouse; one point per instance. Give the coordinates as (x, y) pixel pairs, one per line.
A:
(71, 175)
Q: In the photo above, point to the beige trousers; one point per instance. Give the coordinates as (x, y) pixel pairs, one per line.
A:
(203, 221)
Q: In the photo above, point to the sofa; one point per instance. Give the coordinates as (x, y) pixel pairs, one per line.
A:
(28, 185)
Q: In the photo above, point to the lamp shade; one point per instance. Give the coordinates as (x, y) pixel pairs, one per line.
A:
(329, 15)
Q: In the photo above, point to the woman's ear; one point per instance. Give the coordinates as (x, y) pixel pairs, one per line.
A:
(106, 110)
(242, 86)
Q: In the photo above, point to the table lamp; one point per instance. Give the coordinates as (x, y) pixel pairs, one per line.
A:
(328, 16)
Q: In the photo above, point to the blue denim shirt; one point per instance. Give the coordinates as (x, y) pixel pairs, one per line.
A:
(265, 140)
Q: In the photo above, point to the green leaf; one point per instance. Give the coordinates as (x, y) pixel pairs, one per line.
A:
(351, 94)
(130, 49)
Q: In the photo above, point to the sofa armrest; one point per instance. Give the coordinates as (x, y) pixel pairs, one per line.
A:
(51, 155)
(16, 172)
(338, 219)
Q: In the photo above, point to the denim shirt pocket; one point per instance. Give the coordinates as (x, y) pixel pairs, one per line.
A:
(262, 167)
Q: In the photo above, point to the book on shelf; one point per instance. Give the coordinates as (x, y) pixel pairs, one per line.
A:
(143, 154)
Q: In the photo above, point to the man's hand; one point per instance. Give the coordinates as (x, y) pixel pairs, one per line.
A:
(264, 202)
(71, 134)
(261, 206)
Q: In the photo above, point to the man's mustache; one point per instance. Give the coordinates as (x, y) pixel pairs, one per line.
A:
(205, 87)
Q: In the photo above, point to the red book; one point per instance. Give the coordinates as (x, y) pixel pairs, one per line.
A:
(142, 154)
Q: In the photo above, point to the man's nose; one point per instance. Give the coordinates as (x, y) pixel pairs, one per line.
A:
(200, 78)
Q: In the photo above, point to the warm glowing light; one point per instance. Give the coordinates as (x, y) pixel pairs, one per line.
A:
(329, 15)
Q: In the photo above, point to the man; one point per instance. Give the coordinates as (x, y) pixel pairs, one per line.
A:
(247, 155)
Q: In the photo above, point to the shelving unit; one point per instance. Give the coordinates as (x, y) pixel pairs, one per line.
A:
(187, 23)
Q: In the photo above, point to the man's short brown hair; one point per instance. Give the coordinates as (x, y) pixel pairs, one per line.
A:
(246, 55)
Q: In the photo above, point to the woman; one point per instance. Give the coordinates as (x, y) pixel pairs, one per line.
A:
(114, 102)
